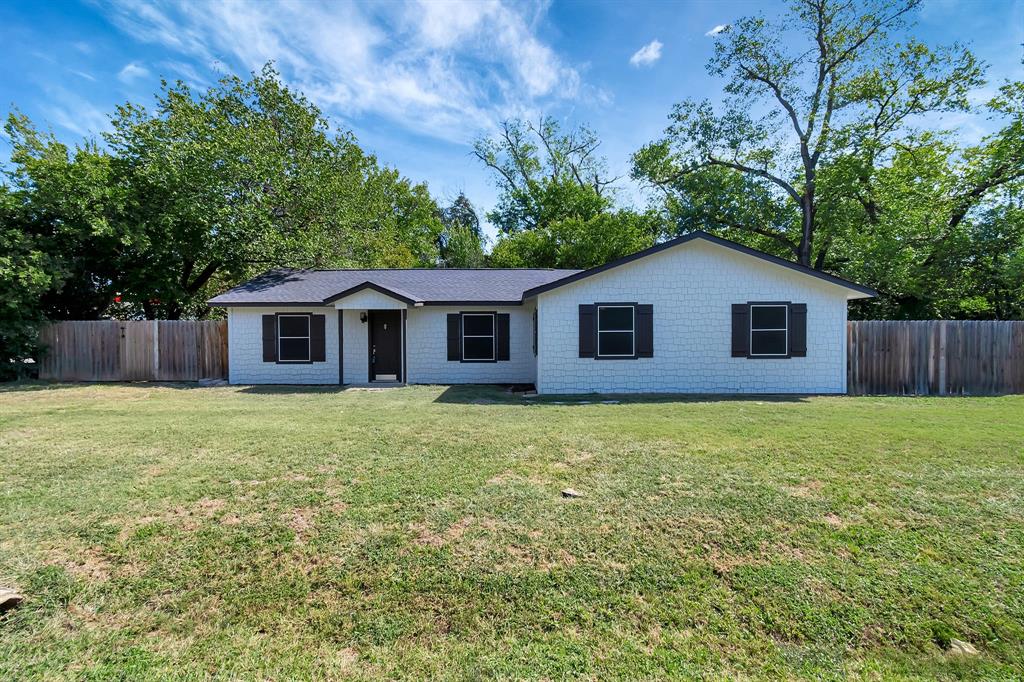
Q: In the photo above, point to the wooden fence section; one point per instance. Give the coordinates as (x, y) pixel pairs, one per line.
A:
(935, 357)
(111, 350)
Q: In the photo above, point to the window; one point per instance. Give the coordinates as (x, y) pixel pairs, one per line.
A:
(615, 331)
(293, 338)
(478, 337)
(769, 330)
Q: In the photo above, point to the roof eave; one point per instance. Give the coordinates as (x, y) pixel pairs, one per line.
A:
(393, 293)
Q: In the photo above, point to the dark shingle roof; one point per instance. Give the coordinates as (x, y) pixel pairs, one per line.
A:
(455, 286)
(429, 286)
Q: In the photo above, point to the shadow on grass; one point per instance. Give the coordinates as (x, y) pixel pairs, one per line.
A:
(42, 385)
(460, 394)
(476, 394)
(294, 389)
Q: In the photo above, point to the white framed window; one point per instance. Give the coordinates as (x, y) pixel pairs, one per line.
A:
(616, 331)
(478, 337)
(293, 338)
(769, 330)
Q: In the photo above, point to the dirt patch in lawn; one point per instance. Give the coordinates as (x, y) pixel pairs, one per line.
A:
(301, 522)
(454, 532)
(90, 564)
(811, 488)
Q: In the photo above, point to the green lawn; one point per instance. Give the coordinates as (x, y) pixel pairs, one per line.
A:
(162, 531)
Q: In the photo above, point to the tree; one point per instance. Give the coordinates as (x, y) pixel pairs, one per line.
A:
(461, 243)
(578, 243)
(27, 272)
(544, 175)
(845, 92)
(461, 212)
(247, 176)
(69, 207)
(556, 204)
(919, 226)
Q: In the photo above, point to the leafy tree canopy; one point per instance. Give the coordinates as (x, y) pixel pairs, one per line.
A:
(820, 152)
(203, 191)
(556, 204)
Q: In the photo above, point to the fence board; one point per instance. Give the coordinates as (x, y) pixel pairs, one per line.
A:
(138, 350)
(935, 357)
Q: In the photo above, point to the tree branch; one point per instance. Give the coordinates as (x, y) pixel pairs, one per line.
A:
(758, 172)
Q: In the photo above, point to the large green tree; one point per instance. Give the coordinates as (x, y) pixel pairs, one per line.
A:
(202, 192)
(544, 174)
(821, 152)
(248, 175)
(67, 204)
(823, 82)
(557, 203)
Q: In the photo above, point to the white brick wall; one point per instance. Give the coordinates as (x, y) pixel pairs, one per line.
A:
(692, 288)
(428, 349)
(245, 350)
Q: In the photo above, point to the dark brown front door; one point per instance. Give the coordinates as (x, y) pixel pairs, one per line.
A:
(385, 345)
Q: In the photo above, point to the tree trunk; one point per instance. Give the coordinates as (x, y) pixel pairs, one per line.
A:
(807, 227)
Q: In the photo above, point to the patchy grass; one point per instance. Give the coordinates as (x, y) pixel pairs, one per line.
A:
(162, 531)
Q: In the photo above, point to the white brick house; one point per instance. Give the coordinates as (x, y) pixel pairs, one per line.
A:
(697, 314)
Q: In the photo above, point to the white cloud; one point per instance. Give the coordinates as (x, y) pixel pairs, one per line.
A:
(446, 69)
(178, 70)
(131, 72)
(75, 113)
(717, 29)
(647, 55)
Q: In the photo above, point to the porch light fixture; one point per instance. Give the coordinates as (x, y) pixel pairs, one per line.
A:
(362, 317)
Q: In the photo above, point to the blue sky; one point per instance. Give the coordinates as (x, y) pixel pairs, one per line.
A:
(418, 82)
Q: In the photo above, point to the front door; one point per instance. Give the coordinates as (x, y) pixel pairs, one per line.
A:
(385, 345)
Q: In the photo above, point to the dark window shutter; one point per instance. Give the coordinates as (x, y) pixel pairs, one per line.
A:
(317, 338)
(535, 331)
(501, 322)
(270, 338)
(740, 330)
(798, 330)
(454, 338)
(587, 332)
(645, 331)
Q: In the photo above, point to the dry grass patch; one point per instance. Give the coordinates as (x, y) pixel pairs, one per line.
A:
(420, 538)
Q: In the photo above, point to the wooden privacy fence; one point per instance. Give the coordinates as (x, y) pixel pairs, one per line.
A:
(111, 350)
(935, 357)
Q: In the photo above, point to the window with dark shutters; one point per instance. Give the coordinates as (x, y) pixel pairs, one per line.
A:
(294, 338)
(478, 337)
(769, 329)
(616, 331)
